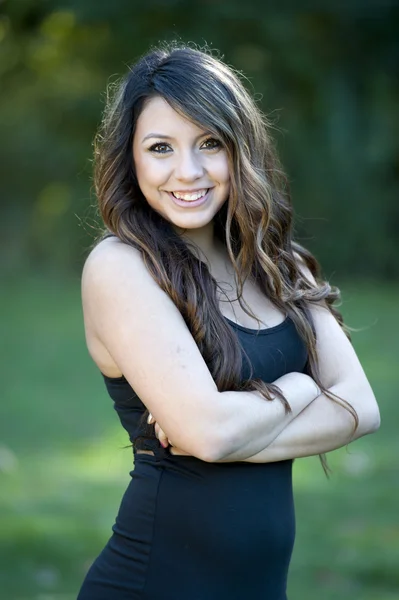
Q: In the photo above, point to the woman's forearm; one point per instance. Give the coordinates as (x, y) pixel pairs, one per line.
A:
(251, 423)
(321, 427)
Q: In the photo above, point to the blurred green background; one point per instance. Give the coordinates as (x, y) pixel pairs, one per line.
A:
(326, 73)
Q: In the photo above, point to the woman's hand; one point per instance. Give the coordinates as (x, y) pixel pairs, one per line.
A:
(163, 439)
(159, 433)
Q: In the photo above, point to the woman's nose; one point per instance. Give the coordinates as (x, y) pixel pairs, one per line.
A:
(189, 167)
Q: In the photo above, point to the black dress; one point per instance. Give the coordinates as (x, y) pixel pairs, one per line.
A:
(193, 530)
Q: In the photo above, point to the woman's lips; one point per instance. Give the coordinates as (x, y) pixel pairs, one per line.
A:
(190, 203)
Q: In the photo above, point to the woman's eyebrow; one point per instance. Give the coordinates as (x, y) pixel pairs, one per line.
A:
(156, 135)
(168, 137)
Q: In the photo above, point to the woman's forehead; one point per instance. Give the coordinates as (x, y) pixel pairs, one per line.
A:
(158, 117)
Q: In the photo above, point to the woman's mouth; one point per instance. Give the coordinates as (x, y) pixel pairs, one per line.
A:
(190, 199)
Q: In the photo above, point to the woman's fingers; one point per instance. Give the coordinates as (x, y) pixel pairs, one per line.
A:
(161, 435)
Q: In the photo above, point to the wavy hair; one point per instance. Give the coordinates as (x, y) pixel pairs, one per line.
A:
(255, 224)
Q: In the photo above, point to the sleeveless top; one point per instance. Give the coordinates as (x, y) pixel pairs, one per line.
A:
(273, 352)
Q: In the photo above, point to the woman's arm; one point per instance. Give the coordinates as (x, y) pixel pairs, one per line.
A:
(251, 422)
(321, 427)
(324, 425)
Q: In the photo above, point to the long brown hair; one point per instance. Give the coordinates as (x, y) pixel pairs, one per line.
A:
(255, 224)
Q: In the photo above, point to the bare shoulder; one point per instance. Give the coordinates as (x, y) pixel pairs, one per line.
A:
(113, 265)
(109, 250)
(107, 266)
(304, 269)
(147, 339)
(98, 272)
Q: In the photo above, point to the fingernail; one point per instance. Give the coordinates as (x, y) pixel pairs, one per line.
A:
(149, 418)
(163, 445)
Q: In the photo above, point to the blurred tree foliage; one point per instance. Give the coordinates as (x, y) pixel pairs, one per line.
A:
(326, 72)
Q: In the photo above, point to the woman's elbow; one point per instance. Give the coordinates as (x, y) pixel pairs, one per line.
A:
(375, 420)
(369, 417)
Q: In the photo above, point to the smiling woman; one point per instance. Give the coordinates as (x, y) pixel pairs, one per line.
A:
(180, 166)
(196, 253)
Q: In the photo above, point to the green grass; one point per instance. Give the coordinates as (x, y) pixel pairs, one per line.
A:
(63, 468)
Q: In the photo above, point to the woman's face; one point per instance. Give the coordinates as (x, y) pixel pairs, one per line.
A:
(181, 169)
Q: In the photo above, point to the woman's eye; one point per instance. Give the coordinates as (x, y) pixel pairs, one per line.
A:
(159, 148)
(162, 148)
(211, 144)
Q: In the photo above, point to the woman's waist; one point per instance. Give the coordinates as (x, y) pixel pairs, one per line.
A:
(245, 510)
(188, 466)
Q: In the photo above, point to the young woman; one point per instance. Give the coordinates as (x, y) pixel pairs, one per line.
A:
(210, 322)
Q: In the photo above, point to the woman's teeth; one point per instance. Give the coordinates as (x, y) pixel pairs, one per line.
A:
(190, 197)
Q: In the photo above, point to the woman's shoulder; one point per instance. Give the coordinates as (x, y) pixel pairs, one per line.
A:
(111, 248)
(110, 265)
(113, 273)
(109, 240)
